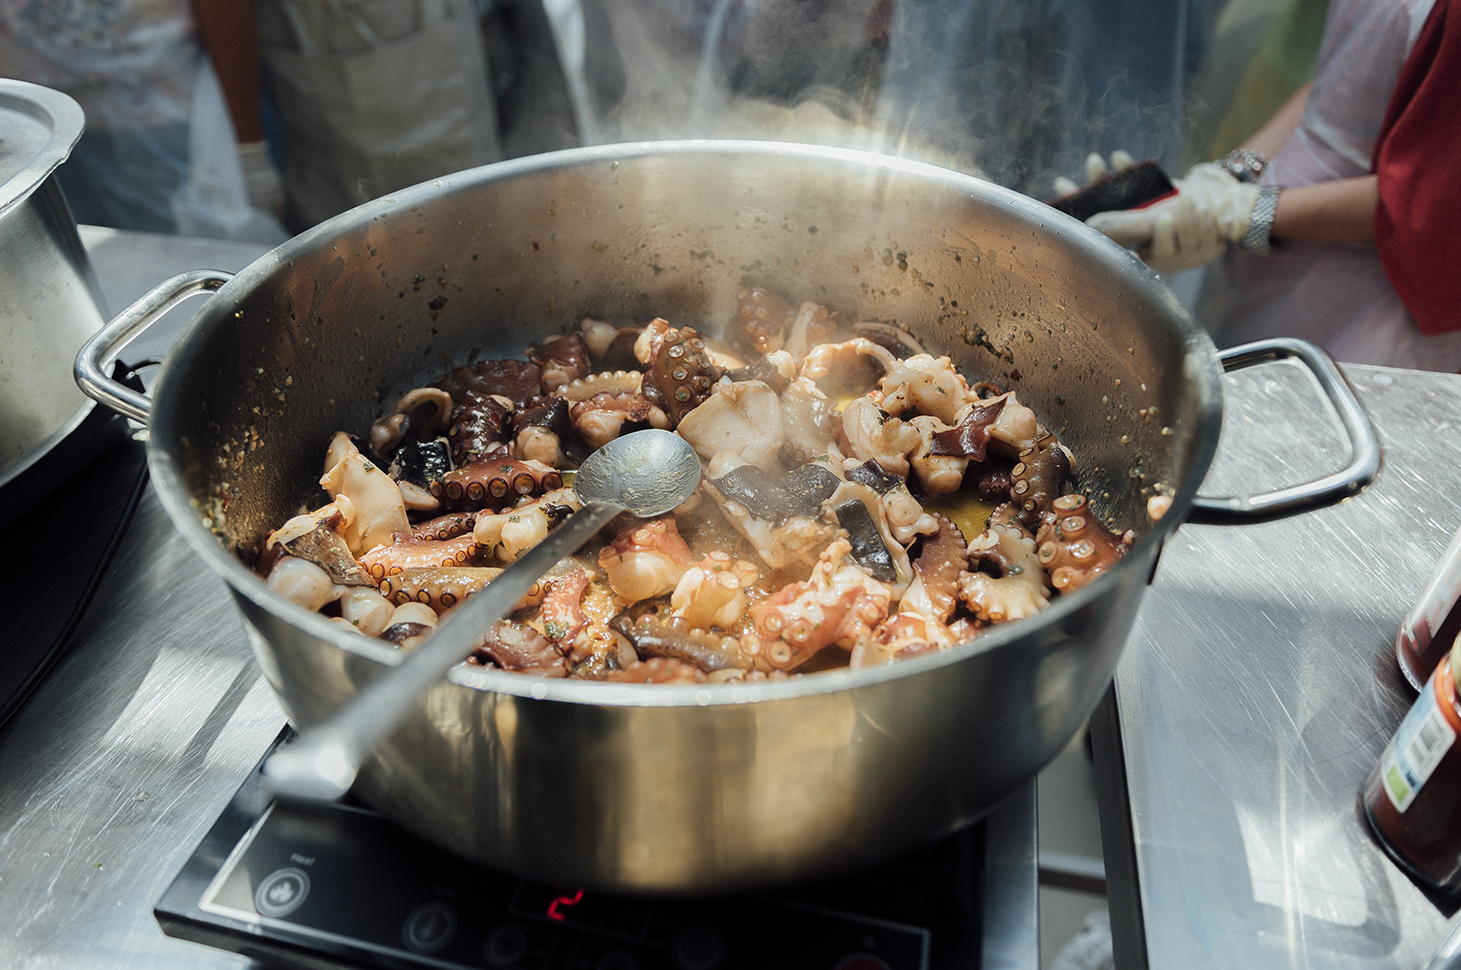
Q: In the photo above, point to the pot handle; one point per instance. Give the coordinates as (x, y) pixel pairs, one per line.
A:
(94, 362)
(1364, 444)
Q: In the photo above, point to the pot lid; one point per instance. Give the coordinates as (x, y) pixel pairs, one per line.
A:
(38, 128)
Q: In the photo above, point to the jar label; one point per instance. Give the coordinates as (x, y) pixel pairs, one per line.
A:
(1419, 745)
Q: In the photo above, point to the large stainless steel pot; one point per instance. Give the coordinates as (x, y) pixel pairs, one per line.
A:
(677, 788)
(50, 303)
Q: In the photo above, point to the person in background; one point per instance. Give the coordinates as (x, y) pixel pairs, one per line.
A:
(174, 139)
(1337, 221)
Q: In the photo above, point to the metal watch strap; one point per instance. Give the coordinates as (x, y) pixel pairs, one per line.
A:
(1260, 221)
(1244, 164)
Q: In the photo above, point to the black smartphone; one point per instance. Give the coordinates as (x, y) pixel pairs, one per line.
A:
(1131, 188)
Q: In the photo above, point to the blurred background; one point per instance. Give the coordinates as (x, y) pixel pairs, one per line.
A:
(254, 119)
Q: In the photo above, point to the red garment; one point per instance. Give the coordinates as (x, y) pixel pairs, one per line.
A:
(1418, 161)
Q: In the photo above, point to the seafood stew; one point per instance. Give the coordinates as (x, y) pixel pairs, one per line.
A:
(862, 503)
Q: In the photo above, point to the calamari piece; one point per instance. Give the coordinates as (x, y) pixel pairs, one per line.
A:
(541, 433)
(379, 509)
(838, 604)
(813, 324)
(848, 368)
(366, 610)
(511, 532)
(807, 418)
(479, 425)
(563, 616)
(924, 384)
(872, 434)
(606, 415)
(410, 624)
(934, 592)
(743, 418)
(610, 347)
(420, 415)
(1017, 588)
(447, 526)
(680, 372)
(1038, 478)
(1074, 545)
(901, 636)
(317, 536)
(491, 483)
(938, 475)
(712, 593)
(1015, 426)
(859, 510)
(301, 581)
(796, 541)
(646, 560)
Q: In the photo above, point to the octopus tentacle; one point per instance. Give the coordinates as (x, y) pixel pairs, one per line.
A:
(409, 552)
(617, 382)
(839, 603)
(680, 373)
(658, 670)
(563, 360)
(762, 318)
(1074, 546)
(675, 639)
(494, 482)
(712, 593)
(440, 588)
(1017, 587)
(935, 590)
(1036, 479)
(646, 560)
(444, 527)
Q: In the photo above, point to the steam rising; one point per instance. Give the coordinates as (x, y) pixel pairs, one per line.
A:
(1015, 91)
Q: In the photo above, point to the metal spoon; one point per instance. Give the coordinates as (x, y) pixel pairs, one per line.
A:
(647, 473)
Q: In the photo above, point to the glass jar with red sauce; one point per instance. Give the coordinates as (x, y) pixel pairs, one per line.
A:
(1430, 629)
(1413, 797)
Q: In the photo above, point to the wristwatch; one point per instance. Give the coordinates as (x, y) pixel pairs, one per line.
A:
(1244, 164)
(1260, 221)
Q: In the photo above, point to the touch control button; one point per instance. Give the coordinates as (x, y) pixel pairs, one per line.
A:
(699, 947)
(506, 946)
(430, 927)
(281, 892)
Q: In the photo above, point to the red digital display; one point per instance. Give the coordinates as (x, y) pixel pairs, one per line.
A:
(565, 902)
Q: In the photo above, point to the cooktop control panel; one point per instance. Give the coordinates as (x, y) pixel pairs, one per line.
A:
(343, 886)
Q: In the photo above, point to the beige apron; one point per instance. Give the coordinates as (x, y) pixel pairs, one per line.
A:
(373, 96)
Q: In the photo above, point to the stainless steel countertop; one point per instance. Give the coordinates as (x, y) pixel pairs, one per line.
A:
(1259, 687)
(117, 765)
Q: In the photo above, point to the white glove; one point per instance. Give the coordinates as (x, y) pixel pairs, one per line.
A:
(1210, 210)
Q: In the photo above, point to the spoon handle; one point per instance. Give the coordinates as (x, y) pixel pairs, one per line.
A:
(322, 761)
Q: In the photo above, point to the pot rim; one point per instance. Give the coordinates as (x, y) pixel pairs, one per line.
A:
(1200, 365)
(55, 110)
